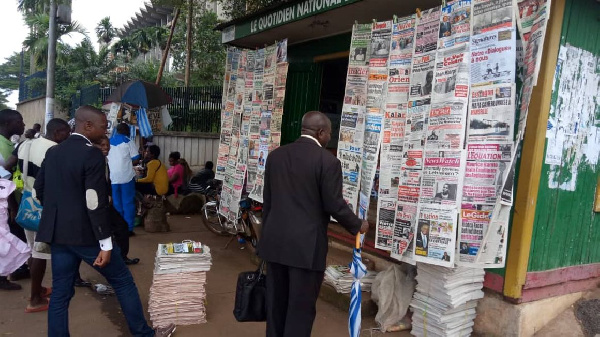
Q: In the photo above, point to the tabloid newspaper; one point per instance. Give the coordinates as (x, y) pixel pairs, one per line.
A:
(350, 146)
(441, 178)
(377, 88)
(380, 44)
(489, 15)
(446, 127)
(371, 144)
(492, 113)
(493, 57)
(428, 27)
(434, 241)
(360, 44)
(451, 75)
(356, 86)
(455, 24)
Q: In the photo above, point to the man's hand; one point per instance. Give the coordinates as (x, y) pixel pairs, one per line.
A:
(103, 259)
(364, 227)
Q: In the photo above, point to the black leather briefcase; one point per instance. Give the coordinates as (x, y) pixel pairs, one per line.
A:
(250, 296)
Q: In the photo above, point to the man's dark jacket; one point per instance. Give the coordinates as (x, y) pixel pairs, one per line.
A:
(72, 188)
(302, 189)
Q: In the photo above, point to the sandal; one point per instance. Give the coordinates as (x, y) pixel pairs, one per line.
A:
(43, 307)
(46, 292)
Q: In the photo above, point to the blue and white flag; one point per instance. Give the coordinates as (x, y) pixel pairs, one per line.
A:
(143, 123)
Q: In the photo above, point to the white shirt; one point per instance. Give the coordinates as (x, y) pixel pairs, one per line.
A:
(122, 152)
(313, 138)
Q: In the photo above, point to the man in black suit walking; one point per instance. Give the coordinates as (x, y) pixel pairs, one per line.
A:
(302, 189)
(71, 185)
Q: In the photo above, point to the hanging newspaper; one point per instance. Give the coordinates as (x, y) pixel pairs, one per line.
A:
(446, 127)
(359, 45)
(492, 113)
(451, 75)
(529, 12)
(493, 249)
(403, 36)
(441, 178)
(380, 44)
(227, 112)
(421, 80)
(434, 242)
(371, 142)
(349, 153)
(473, 224)
(386, 209)
(356, 86)
(404, 227)
(376, 89)
(493, 57)
(455, 27)
(428, 27)
(489, 15)
(392, 144)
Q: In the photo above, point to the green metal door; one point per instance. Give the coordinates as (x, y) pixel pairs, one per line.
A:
(566, 230)
(301, 95)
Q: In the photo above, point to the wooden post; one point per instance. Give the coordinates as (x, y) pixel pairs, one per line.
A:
(166, 51)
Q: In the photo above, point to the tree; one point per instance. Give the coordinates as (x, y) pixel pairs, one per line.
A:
(105, 31)
(3, 100)
(141, 40)
(37, 40)
(10, 70)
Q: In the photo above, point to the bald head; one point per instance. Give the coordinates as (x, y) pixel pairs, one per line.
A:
(318, 125)
(90, 122)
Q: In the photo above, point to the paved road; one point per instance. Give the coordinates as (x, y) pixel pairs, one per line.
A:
(94, 315)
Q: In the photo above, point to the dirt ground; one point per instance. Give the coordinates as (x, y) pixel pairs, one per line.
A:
(93, 315)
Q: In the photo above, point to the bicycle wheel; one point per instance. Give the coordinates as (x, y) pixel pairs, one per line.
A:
(212, 219)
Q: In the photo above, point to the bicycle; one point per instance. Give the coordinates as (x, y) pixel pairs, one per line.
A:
(247, 224)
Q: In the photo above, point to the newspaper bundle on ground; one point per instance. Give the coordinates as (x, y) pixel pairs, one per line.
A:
(340, 278)
(177, 294)
(445, 300)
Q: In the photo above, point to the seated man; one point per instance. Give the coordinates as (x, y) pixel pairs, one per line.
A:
(156, 181)
(199, 182)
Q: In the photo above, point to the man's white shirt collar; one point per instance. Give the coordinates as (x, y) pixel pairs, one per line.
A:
(84, 137)
(313, 138)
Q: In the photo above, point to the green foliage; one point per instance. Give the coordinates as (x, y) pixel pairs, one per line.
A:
(11, 69)
(147, 71)
(238, 8)
(105, 31)
(208, 54)
(4, 100)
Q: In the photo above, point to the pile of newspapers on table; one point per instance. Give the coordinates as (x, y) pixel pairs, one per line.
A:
(177, 294)
(445, 300)
(341, 279)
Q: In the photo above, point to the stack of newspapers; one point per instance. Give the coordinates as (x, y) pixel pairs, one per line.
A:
(445, 300)
(341, 279)
(177, 294)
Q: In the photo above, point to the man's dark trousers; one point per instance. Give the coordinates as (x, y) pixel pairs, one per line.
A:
(65, 264)
(291, 300)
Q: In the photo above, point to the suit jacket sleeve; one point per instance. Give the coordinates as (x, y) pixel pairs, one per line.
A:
(38, 185)
(333, 201)
(266, 193)
(96, 194)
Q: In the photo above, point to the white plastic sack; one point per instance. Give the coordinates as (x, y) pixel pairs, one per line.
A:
(392, 291)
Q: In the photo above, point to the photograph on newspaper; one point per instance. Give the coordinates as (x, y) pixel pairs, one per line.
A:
(428, 27)
(434, 241)
(404, 227)
(359, 45)
(381, 39)
(386, 209)
(455, 26)
(403, 37)
(489, 15)
(446, 127)
(421, 77)
(492, 113)
(451, 75)
(493, 57)
(356, 86)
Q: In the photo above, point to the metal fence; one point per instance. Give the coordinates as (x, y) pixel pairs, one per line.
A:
(32, 86)
(195, 109)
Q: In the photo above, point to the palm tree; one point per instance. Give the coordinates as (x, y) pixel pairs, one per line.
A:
(158, 35)
(37, 40)
(105, 31)
(125, 48)
(141, 40)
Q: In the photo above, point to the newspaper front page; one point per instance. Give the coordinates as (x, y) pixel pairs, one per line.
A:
(455, 24)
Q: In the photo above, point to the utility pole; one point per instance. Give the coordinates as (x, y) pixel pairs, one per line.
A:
(51, 65)
(188, 53)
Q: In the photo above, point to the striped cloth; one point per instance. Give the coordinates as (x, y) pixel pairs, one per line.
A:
(358, 270)
(143, 123)
(132, 132)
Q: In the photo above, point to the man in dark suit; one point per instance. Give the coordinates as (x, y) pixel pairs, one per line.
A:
(302, 189)
(423, 237)
(71, 185)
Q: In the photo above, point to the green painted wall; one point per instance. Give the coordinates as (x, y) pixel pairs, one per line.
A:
(566, 230)
(303, 86)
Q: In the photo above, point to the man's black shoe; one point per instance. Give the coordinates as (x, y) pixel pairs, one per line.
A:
(20, 274)
(5, 284)
(129, 261)
(81, 283)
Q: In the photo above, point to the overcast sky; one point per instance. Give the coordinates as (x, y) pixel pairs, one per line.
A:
(87, 13)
